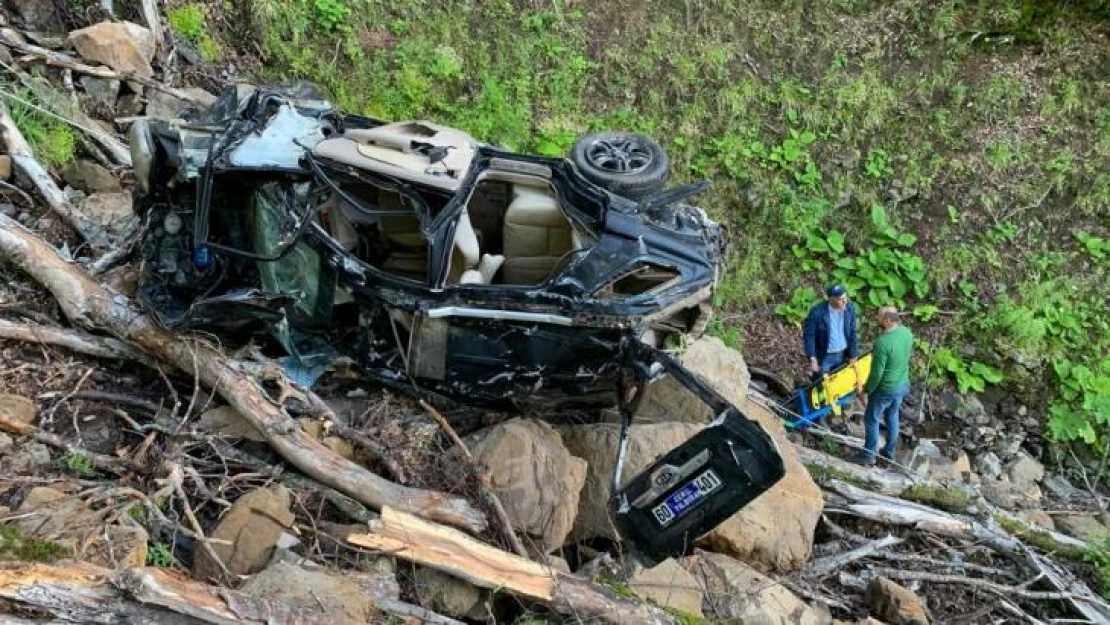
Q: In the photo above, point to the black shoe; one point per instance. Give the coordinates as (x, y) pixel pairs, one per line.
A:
(886, 458)
(864, 459)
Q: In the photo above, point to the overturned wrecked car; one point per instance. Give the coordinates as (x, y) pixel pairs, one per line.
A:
(444, 265)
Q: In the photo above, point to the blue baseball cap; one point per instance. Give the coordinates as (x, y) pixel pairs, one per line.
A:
(835, 290)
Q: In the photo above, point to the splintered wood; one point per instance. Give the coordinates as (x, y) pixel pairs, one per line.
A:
(408, 537)
(405, 536)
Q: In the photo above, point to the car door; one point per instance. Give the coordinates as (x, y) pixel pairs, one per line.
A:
(694, 487)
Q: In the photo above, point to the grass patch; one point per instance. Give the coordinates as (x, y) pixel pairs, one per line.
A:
(189, 22)
(52, 140)
(16, 545)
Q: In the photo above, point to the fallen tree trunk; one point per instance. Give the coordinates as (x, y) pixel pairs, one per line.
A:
(89, 304)
(24, 161)
(405, 536)
(80, 342)
(76, 592)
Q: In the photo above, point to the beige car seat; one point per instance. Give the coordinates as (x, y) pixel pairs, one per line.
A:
(535, 237)
(392, 150)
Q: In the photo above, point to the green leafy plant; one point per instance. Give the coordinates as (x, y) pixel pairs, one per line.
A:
(331, 15)
(800, 302)
(1098, 555)
(877, 165)
(159, 554)
(1083, 406)
(79, 464)
(969, 376)
(188, 21)
(1097, 247)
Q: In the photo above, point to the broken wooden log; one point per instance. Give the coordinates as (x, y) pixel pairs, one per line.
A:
(23, 158)
(75, 340)
(91, 305)
(405, 536)
(828, 564)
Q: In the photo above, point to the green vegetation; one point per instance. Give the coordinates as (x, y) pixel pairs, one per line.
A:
(15, 545)
(52, 140)
(822, 473)
(188, 22)
(79, 464)
(952, 499)
(965, 178)
(159, 554)
(1098, 556)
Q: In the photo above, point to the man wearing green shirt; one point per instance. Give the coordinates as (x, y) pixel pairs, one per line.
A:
(887, 385)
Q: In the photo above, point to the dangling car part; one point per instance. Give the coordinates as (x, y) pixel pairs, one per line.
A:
(444, 265)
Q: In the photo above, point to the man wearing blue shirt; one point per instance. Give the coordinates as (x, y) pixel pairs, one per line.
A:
(829, 332)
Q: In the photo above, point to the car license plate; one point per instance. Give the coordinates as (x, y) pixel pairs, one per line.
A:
(684, 499)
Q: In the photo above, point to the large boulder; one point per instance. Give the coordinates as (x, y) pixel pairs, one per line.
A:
(89, 176)
(112, 211)
(669, 585)
(322, 595)
(737, 593)
(162, 105)
(1084, 527)
(124, 46)
(774, 532)
(1025, 470)
(713, 361)
(534, 476)
(251, 529)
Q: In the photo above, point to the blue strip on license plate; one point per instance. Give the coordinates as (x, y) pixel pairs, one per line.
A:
(685, 498)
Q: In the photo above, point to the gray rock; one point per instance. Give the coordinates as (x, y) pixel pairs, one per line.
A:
(6, 443)
(968, 408)
(1008, 445)
(8, 210)
(29, 458)
(1011, 496)
(1059, 485)
(92, 177)
(989, 465)
(319, 593)
(449, 595)
(38, 15)
(111, 211)
(161, 105)
(1084, 527)
(1025, 470)
(103, 91)
(129, 105)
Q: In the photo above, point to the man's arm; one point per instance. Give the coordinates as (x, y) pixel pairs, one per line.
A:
(809, 338)
(879, 356)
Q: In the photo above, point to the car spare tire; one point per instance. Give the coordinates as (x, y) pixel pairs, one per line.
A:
(624, 163)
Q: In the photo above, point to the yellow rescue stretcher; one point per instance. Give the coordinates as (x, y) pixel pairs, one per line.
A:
(829, 395)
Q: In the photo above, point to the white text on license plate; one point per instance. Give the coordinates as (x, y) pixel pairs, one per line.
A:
(683, 499)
